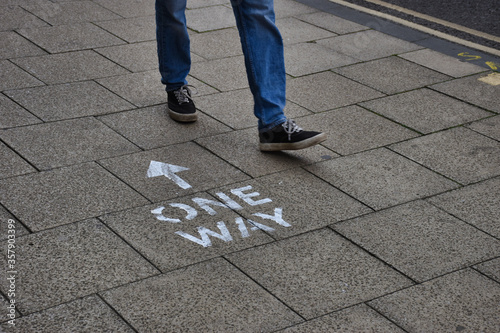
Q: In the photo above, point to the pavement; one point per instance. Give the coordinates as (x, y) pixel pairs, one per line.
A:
(115, 218)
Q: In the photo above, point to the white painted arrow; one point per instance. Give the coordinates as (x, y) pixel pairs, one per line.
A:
(168, 170)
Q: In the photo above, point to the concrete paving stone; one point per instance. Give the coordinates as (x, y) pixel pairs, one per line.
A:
(463, 300)
(152, 127)
(359, 318)
(288, 8)
(136, 57)
(224, 74)
(207, 297)
(69, 67)
(88, 314)
(442, 63)
(295, 31)
(217, 44)
(392, 75)
(57, 144)
(420, 240)
(318, 272)
(205, 3)
(369, 45)
(381, 178)
(132, 30)
(162, 243)
(69, 100)
(18, 229)
(458, 153)
(52, 198)
(489, 127)
(69, 12)
(14, 46)
(347, 130)
(470, 89)
(318, 205)
(12, 164)
(490, 268)
(4, 303)
(65, 263)
(327, 91)
(129, 8)
(425, 110)
(13, 17)
(12, 77)
(246, 156)
(308, 58)
(210, 18)
(75, 37)
(11, 114)
(205, 171)
(477, 204)
(332, 23)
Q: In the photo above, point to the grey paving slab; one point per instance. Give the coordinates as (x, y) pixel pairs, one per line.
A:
(13, 45)
(490, 268)
(489, 127)
(210, 18)
(8, 314)
(56, 144)
(295, 31)
(289, 214)
(308, 58)
(72, 37)
(341, 274)
(359, 318)
(224, 74)
(381, 178)
(48, 199)
(332, 23)
(330, 91)
(6, 224)
(246, 156)
(189, 239)
(420, 240)
(205, 3)
(210, 296)
(464, 300)
(69, 12)
(12, 77)
(442, 63)
(347, 129)
(477, 204)
(11, 114)
(216, 44)
(392, 75)
(136, 57)
(426, 110)
(69, 100)
(14, 17)
(152, 127)
(205, 171)
(129, 8)
(368, 45)
(287, 8)
(85, 258)
(11, 164)
(458, 153)
(132, 30)
(470, 89)
(88, 314)
(69, 67)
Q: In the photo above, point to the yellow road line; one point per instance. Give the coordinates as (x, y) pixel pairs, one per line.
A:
(419, 27)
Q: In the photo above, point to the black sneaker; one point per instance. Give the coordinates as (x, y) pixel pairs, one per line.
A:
(181, 106)
(289, 136)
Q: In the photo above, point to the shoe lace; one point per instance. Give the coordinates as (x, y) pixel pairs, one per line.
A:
(183, 94)
(291, 127)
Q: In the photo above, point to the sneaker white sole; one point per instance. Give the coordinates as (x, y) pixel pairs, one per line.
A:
(293, 146)
(182, 117)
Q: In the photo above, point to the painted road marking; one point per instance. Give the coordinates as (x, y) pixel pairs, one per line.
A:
(492, 79)
(168, 170)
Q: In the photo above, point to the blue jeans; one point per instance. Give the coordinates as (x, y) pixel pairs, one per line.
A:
(262, 48)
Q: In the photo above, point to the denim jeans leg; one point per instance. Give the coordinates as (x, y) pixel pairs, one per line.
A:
(172, 39)
(263, 50)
